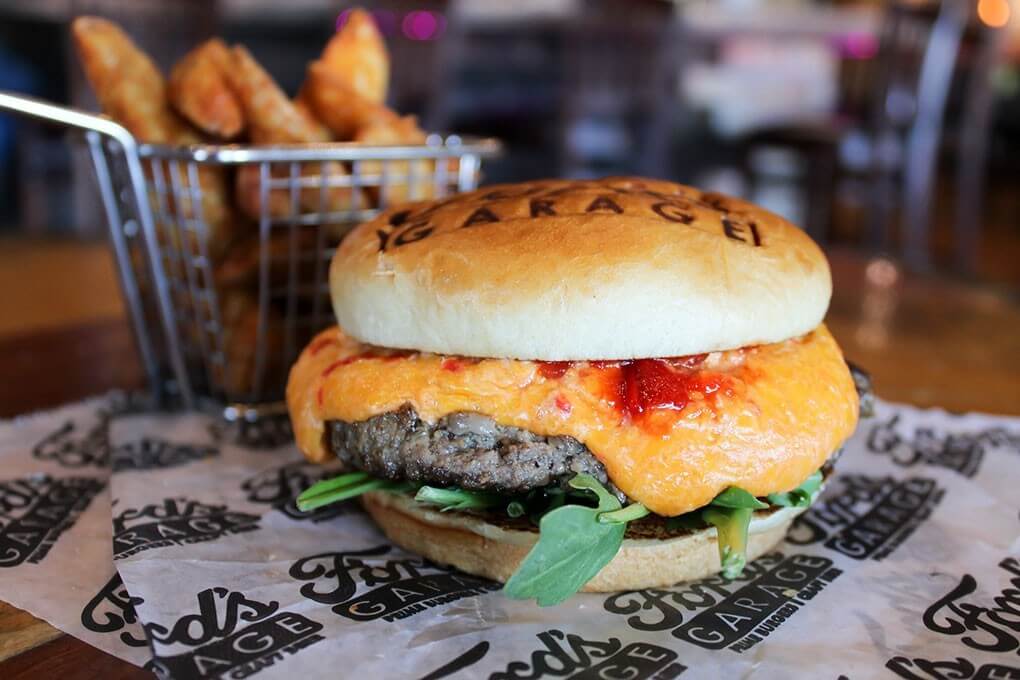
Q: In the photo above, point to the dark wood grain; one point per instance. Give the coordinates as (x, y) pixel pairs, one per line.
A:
(68, 658)
(44, 369)
(927, 341)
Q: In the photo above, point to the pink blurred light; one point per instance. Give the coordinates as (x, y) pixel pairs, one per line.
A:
(859, 45)
(341, 19)
(423, 25)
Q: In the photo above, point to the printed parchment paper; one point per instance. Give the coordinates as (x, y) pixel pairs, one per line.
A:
(56, 560)
(908, 566)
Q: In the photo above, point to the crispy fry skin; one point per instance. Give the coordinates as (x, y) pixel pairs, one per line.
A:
(217, 213)
(347, 86)
(129, 87)
(357, 54)
(310, 199)
(239, 312)
(402, 186)
(392, 129)
(339, 105)
(275, 119)
(305, 109)
(132, 91)
(241, 267)
(272, 116)
(200, 92)
(246, 192)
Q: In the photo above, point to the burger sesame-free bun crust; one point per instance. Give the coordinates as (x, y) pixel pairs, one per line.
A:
(476, 547)
(559, 270)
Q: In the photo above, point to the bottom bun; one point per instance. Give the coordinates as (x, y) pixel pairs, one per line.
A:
(477, 547)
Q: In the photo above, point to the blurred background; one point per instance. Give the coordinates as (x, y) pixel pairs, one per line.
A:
(885, 127)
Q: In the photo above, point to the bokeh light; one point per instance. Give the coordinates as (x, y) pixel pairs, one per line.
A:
(415, 25)
(882, 272)
(994, 13)
(859, 45)
(341, 19)
(423, 25)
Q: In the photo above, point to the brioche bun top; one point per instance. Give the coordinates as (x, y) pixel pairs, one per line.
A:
(615, 268)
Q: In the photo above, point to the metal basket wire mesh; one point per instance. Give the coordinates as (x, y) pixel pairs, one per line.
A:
(223, 252)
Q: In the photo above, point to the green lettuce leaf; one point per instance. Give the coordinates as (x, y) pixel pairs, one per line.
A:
(623, 515)
(802, 496)
(458, 499)
(735, 497)
(731, 524)
(572, 547)
(691, 521)
(592, 486)
(344, 487)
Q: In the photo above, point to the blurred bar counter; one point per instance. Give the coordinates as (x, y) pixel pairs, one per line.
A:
(51, 282)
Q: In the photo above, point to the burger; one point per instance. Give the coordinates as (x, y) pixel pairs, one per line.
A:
(569, 386)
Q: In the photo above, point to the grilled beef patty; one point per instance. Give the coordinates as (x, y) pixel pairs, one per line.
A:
(466, 450)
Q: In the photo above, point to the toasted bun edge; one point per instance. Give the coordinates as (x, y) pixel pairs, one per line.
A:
(477, 547)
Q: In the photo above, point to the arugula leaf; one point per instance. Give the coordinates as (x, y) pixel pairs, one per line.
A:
(606, 500)
(335, 483)
(572, 547)
(343, 487)
(688, 520)
(731, 525)
(457, 499)
(555, 500)
(735, 497)
(802, 496)
(622, 516)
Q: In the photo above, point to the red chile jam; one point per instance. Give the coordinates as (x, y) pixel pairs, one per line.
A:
(640, 386)
(321, 344)
(563, 404)
(392, 355)
(452, 365)
(552, 370)
(340, 362)
(661, 385)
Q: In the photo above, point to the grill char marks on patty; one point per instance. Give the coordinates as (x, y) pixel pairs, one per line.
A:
(466, 450)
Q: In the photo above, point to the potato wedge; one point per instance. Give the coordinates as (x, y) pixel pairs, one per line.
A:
(200, 92)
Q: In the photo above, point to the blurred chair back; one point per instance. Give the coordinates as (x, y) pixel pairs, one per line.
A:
(918, 54)
(889, 151)
(619, 84)
(972, 148)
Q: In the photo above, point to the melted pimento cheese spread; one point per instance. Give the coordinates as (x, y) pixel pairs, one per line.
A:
(672, 433)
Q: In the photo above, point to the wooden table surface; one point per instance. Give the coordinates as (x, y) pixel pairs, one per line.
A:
(927, 341)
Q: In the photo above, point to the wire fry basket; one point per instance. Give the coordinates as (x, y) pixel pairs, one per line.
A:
(223, 251)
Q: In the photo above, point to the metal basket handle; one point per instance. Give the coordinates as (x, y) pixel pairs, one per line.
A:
(118, 141)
